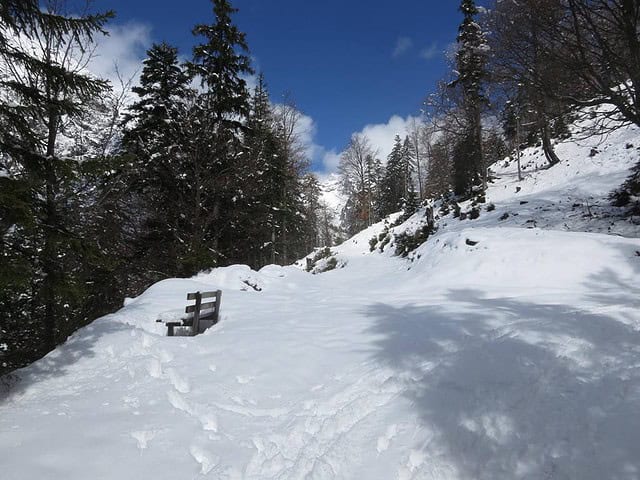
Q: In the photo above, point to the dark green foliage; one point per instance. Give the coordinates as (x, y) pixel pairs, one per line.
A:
(281, 204)
(331, 264)
(384, 242)
(407, 242)
(628, 195)
(411, 204)
(469, 162)
(45, 253)
(213, 141)
(456, 210)
(465, 176)
(320, 254)
(373, 243)
(220, 63)
(474, 213)
(152, 176)
(396, 182)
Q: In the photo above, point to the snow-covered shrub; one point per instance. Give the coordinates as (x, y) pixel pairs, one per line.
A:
(407, 242)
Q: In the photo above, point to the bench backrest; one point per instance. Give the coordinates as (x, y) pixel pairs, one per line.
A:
(199, 309)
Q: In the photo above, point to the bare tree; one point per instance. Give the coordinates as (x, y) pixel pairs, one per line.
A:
(600, 46)
(418, 154)
(355, 168)
(522, 45)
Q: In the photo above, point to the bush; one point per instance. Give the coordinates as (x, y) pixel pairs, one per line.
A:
(628, 193)
(331, 264)
(320, 254)
(456, 211)
(373, 243)
(408, 242)
(385, 242)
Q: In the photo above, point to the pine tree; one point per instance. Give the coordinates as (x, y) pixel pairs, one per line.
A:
(215, 126)
(396, 183)
(471, 64)
(266, 174)
(41, 248)
(154, 143)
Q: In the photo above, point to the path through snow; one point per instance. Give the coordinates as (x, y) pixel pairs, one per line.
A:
(462, 367)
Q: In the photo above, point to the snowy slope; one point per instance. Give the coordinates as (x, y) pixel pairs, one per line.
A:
(333, 199)
(515, 358)
(331, 193)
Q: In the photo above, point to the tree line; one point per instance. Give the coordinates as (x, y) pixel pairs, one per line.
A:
(521, 72)
(100, 198)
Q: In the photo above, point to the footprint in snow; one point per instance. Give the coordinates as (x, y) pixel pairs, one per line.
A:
(143, 437)
(178, 402)
(154, 368)
(385, 440)
(179, 383)
(165, 356)
(206, 461)
(415, 461)
(131, 402)
(147, 341)
(209, 422)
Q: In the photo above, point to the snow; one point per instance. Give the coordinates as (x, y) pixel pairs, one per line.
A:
(332, 197)
(331, 193)
(515, 358)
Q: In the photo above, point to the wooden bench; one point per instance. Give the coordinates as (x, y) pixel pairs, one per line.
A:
(201, 315)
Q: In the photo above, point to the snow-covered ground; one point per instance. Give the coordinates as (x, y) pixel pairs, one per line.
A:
(515, 358)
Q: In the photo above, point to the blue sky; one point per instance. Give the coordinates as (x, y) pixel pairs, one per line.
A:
(349, 64)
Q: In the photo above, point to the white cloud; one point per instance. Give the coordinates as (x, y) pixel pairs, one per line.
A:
(307, 130)
(121, 52)
(382, 135)
(330, 160)
(252, 81)
(430, 52)
(403, 45)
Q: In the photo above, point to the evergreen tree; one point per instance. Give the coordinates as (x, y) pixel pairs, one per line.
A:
(41, 248)
(396, 182)
(314, 233)
(266, 174)
(214, 140)
(470, 168)
(154, 143)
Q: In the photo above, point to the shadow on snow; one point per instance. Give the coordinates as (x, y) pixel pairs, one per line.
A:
(510, 389)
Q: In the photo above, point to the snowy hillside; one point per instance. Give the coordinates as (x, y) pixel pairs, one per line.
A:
(331, 194)
(505, 347)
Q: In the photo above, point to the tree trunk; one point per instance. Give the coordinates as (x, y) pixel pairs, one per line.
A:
(49, 252)
(547, 146)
